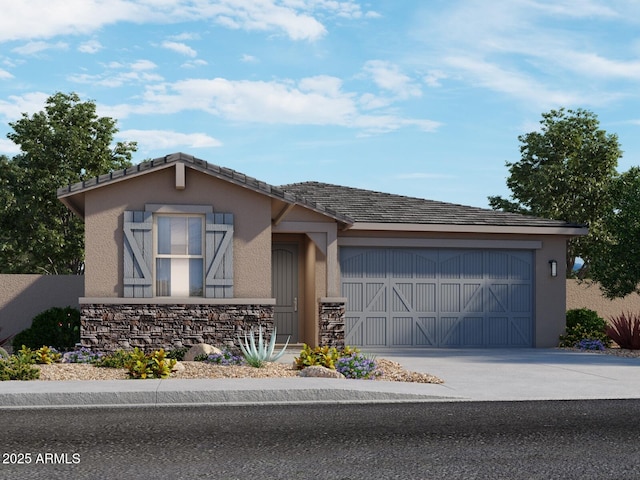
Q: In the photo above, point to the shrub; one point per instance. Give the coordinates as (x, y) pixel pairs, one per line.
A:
(15, 368)
(582, 324)
(625, 331)
(150, 365)
(56, 327)
(81, 355)
(257, 355)
(178, 353)
(117, 359)
(357, 365)
(225, 358)
(47, 355)
(323, 356)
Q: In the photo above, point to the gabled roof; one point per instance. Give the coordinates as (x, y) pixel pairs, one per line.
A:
(352, 207)
(66, 194)
(366, 206)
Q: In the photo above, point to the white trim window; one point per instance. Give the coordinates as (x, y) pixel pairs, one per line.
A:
(179, 255)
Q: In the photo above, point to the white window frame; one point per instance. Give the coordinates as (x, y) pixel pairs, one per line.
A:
(187, 256)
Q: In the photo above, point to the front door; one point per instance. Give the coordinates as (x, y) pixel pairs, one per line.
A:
(284, 284)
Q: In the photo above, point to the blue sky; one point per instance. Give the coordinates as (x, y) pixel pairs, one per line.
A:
(416, 97)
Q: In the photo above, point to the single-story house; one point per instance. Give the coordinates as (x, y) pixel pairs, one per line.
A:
(180, 251)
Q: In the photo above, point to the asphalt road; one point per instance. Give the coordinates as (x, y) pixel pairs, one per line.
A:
(493, 440)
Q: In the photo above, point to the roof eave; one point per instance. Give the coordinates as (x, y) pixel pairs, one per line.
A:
(568, 230)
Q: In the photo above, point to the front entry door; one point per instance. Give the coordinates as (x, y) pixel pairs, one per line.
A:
(284, 284)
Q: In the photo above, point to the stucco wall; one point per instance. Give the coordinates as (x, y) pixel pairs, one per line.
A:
(104, 222)
(22, 297)
(589, 295)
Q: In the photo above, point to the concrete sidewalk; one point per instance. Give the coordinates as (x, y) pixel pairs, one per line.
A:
(469, 375)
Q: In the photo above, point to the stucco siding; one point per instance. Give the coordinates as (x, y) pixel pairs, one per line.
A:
(104, 225)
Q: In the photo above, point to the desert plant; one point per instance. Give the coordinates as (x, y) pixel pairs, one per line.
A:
(358, 365)
(582, 324)
(324, 356)
(16, 368)
(26, 355)
(116, 359)
(625, 330)
(56, 327)
(257, 355)
(81, 355)
(47, 355)
(589, 344)
(225, 358)
(177, 353)
(150, 365)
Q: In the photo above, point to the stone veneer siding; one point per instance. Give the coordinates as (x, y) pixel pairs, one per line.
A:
(332, 324)
(108, 327)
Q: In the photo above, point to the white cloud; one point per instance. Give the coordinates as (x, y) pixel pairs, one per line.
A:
(7, 147)
(318, 100)
(118, 74)
(33, 48)
(194, 63)
(299, 20)
(389, 77)
(30, 103)
(433, 78)
(248, 58)
(91, 46)
(4, 75)
(181, 48)
(168, 139)
(530, 50)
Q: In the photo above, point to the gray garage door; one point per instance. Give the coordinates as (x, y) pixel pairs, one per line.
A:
(437, 297)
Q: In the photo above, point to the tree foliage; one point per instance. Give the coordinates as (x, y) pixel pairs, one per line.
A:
(616, 258)
(65, 143)
(564, 173)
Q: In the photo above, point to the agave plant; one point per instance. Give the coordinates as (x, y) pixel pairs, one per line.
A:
(257, 354)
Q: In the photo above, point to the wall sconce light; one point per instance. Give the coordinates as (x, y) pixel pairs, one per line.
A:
(553, 265)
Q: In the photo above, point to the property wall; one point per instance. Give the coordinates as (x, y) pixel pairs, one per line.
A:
(589, 295)
(22, 297)
(104, 209)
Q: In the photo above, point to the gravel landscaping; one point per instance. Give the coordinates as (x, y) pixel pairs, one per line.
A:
(392, 371)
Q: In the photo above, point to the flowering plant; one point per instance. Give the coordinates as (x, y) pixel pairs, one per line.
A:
(358, 365)
(81, 355)
(590, 344)
(225, 358)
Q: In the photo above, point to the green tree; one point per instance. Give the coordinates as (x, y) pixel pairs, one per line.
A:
(65, 143)
(565, 173)
(616, 258)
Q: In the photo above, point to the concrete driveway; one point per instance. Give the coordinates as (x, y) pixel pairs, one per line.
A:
(523, 374)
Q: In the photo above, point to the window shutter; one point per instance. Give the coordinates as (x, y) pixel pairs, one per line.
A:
(219, 255)
(138, 254)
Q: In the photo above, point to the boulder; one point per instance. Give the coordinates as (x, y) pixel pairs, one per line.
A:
(200, 349)
(322, 372)
(179, 367)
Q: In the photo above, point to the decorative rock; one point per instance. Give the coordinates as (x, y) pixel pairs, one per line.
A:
(200, 349)
(322, 372)
(179, 367)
